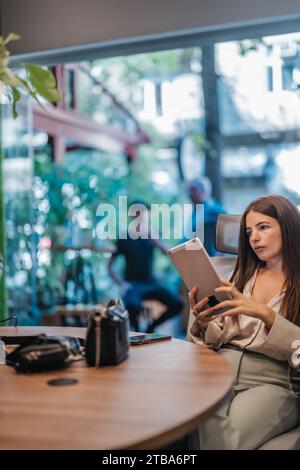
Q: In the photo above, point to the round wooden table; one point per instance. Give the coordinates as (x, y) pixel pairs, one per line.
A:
(162, 392)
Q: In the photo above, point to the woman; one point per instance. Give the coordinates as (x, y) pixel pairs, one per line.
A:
(258, 331)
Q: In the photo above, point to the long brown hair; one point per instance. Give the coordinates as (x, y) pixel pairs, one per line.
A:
(288, 218)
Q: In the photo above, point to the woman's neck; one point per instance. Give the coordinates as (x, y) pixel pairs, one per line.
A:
(274, 265)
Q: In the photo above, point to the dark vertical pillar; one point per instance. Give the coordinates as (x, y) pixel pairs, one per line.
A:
(212, 120)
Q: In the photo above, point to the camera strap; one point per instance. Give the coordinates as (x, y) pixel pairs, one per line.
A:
(98, 320)
(98, 317)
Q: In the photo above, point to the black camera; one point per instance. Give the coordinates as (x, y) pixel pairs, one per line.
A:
(42, 353)
(107, 339)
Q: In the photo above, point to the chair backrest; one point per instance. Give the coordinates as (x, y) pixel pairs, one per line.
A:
(227, 233)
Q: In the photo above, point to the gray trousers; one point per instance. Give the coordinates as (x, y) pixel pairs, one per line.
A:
(260, 406)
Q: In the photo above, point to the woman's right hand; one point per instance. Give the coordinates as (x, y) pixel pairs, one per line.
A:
(199, 309)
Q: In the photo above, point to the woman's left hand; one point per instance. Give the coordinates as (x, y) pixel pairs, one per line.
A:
(239, 304)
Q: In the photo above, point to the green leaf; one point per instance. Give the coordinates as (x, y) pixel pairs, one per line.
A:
(33, 93)
(43, 81)
(25, 84)
(15, 96)
(11, 37)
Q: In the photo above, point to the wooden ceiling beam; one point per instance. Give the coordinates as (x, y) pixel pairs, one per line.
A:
(62, 124)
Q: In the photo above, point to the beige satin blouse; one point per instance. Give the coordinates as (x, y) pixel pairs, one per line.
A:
(251, 333)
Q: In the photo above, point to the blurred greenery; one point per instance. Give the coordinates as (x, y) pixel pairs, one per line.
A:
(74, 190)
(250, 45)
(38, 82)
(122, 77)
(3, 304)
(61, 210)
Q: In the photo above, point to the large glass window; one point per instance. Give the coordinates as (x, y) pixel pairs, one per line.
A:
(244, 134)
(259, 102)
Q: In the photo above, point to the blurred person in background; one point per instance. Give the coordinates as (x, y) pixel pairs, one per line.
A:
(200, 192)
(138, 282)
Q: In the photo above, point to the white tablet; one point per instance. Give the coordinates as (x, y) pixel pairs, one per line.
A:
(196, 269)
